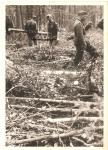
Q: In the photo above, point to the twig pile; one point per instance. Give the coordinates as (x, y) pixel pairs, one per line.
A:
(48, 122)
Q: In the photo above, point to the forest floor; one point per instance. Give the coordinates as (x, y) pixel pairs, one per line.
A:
(49, 100)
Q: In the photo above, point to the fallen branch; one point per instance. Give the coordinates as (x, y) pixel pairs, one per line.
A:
(89, 119)
(21, 30)
(48, 137)
(74, 103)
(84, 112)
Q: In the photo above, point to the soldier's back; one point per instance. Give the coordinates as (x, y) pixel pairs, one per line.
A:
(30, 25)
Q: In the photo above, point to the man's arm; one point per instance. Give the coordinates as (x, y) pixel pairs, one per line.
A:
(12, 24)
(26, 26)
(56, 26)
(36, 28)
(88, 26)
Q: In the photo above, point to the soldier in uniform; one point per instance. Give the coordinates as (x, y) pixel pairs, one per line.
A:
(80, 41)
(52, 32)
(31, 29)
(9, 24)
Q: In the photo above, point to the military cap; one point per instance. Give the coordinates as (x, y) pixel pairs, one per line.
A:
(49, 16)
(82, 12)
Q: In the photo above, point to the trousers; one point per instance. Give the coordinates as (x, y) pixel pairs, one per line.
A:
(79, 52)
(32, 39)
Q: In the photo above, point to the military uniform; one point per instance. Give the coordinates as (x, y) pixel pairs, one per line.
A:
(9, 24)
(52, 32)
(80, 42)
(31, 29)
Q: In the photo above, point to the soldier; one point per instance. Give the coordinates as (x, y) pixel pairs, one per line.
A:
(9, 24)
(79, 39)
(52, 32)
(31, 29)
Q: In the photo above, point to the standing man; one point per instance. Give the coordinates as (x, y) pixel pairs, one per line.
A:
(52, 32)
(31, 29)
(79, 39)
(9, 24)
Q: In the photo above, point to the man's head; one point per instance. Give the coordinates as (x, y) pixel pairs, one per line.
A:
(34, 18)
(83, 15)
(49, 17)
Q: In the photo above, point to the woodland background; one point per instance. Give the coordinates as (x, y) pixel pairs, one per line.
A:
(63, 15)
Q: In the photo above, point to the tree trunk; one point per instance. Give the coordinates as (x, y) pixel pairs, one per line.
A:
(18, 17)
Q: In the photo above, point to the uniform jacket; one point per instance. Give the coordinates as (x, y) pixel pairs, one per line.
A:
(9, 24)
(52, 29)
(79, 32)
(31, 27)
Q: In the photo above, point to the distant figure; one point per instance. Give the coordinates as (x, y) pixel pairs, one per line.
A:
(9, 24)
(32, 30)
(101, 24)
(52, 32)
(79, 39)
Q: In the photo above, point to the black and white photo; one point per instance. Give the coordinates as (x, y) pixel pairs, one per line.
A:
(54, 69)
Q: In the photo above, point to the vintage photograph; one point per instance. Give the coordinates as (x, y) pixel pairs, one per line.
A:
(54, 75)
